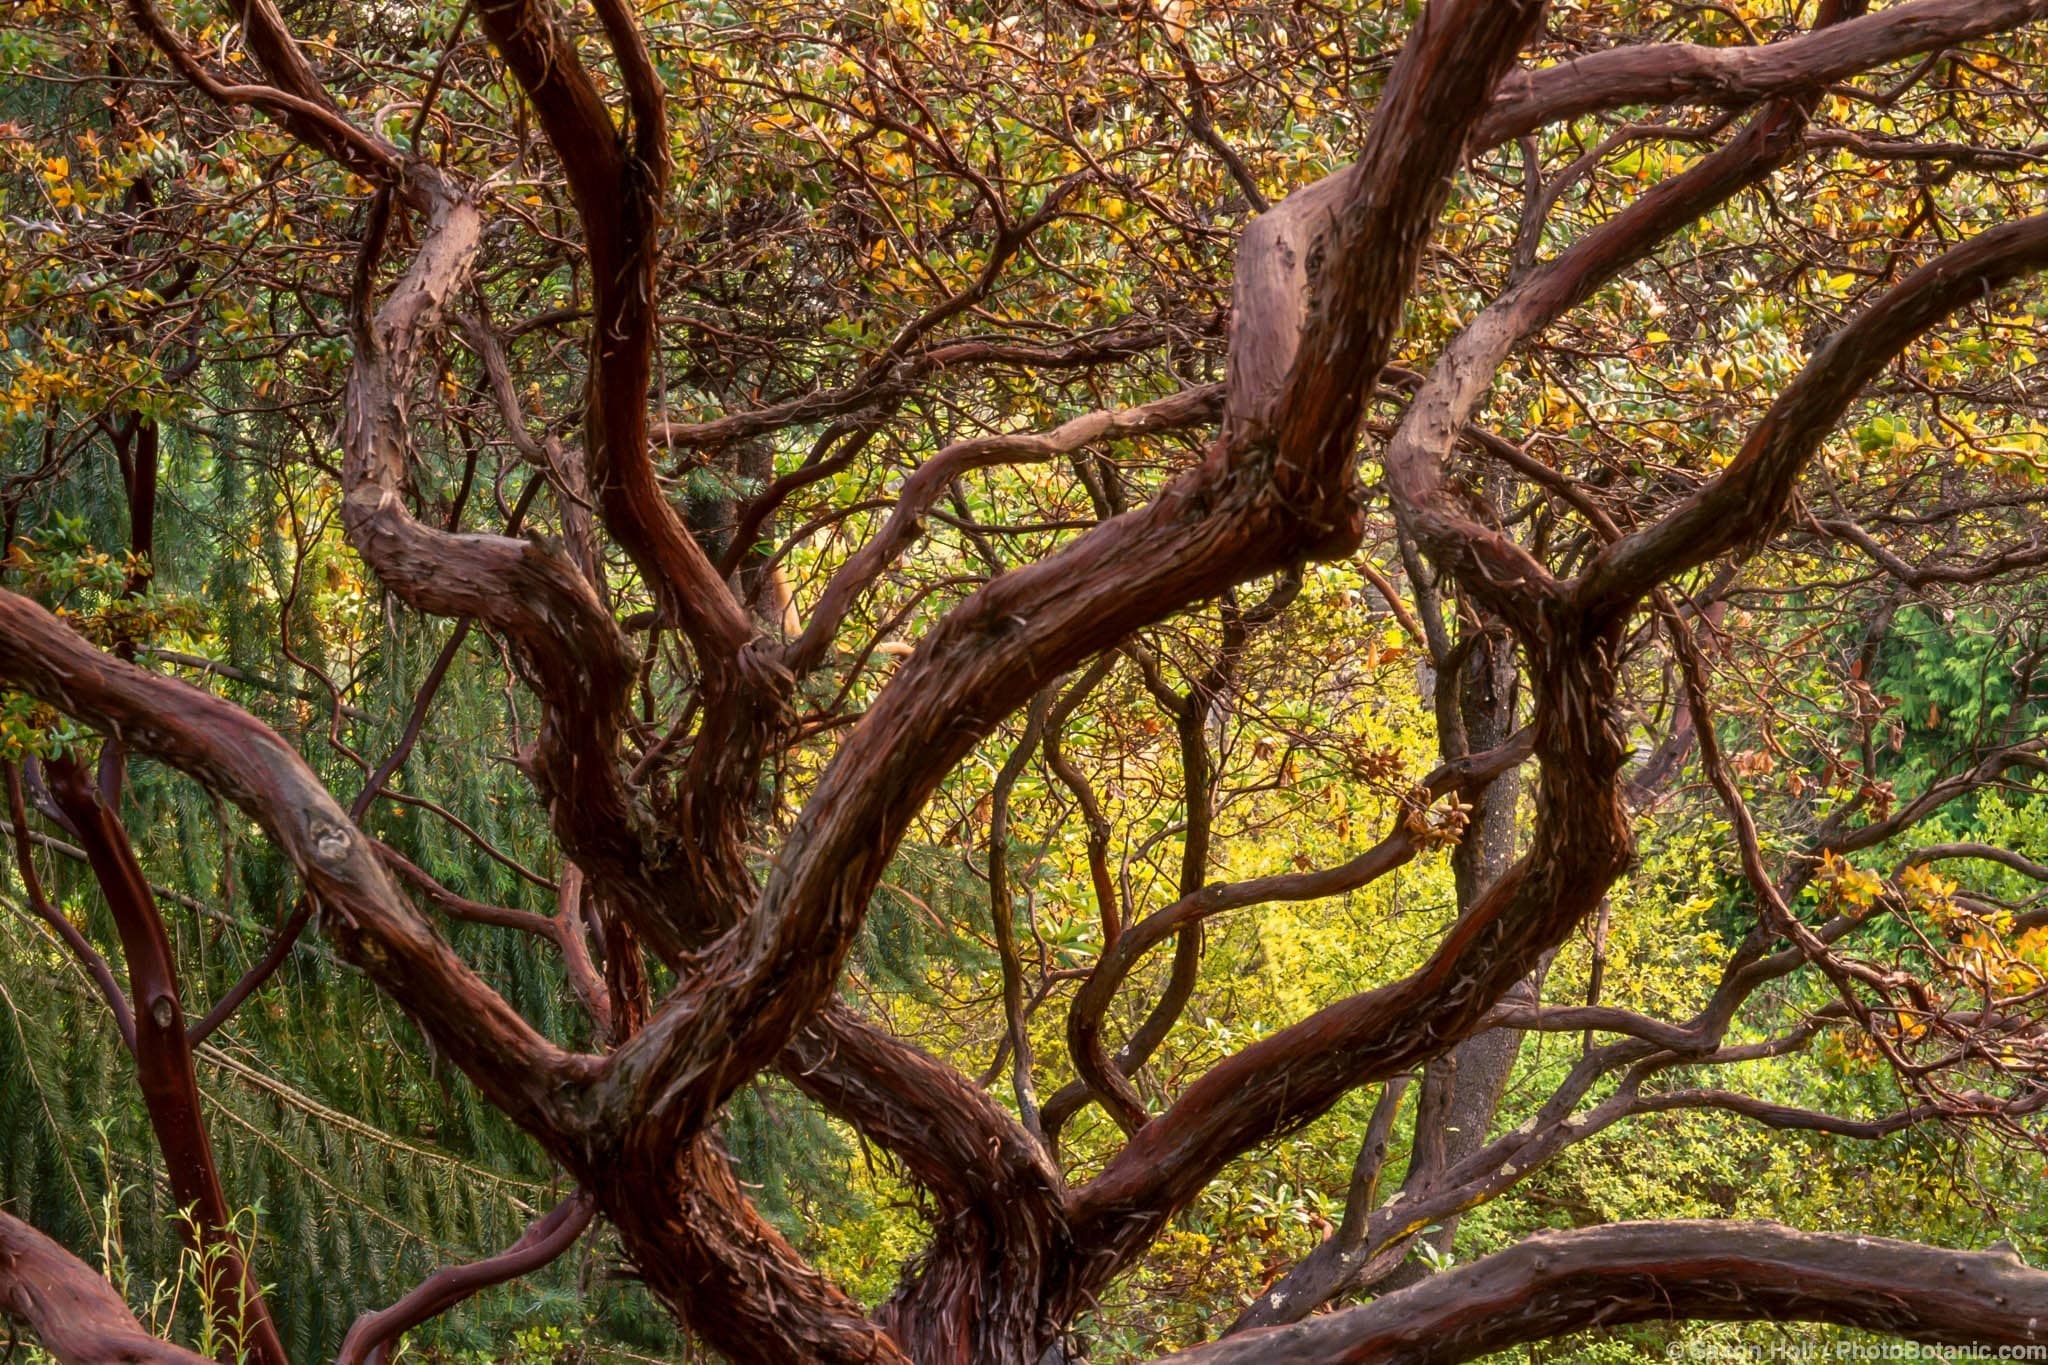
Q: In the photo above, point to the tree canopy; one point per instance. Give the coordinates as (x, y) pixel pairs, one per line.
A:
(1089, 680)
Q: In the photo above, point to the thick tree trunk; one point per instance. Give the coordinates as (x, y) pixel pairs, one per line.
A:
(701, 1248)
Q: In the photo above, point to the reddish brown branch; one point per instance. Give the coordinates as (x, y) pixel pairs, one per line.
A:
(1098, 992)
(372, 1336)
(1686, 73)
(1580, 842)
(88, 957)
(564, 639)
(76, 1315)
(1784, 1116)
(1188, 408)
(305, 109)
(461, 907)
(534, 1081)
(736, 1282)
(163, 1062)
(1747, 499)
(1990, 853)
(1489, 566)
(618, 183)
(1002, 1215)
(871, 391)
(280, 949)
(1420, 131)
(1559, 1282)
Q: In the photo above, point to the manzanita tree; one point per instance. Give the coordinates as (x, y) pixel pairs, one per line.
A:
(892, 389)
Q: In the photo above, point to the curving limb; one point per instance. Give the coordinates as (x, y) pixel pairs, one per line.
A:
(1558, 1282)
(89, 957)
(1177, 412)
(1191, 717)
(232, 752)
(1412, 835)
(297, 101)
(617, 183)
(731, 1277)
(1744, 502)
(373, 1335)
(1687, 73)
(75, 1314)
(163, 1057)
(1002, 915)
